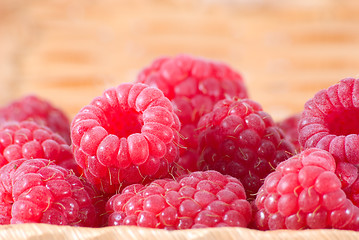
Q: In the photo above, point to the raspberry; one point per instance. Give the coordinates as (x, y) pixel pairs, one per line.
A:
(329, 121)
(193, 85)
(27, 139)
(289, 127)
(239, 139)
(304, 192)
(38, 191)
(127, 135)
(41, 111)
(196, 200)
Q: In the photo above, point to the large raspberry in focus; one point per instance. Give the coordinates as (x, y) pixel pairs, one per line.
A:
(127, 135)
(38, 110)
(304, 192)
(239, 139)
(38, 191)
(193, 85)
(197, 200)
(330, 121)
(27, 139)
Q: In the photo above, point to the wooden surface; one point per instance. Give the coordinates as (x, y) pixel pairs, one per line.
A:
(70, 51)
(45, 232)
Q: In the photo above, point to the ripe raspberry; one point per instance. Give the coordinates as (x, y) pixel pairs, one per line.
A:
(289, 127)
(27, 139)
(304, 192)
(197, 200)
(127, 135)
(41, 111)
(329, 121)
(193, 85)
(239, 139)
(38, 191)
(350, 177)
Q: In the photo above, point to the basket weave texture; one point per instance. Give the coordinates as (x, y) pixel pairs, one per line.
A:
(70, 51)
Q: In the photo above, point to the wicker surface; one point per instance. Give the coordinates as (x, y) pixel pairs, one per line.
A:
(43, 231)
(70, 51)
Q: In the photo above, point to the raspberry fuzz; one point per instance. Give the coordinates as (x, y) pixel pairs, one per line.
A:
(127, 135)
(304, 192)
(330, 121)
(239, 139)
(38, 191)
(193, 85)
(197, 200)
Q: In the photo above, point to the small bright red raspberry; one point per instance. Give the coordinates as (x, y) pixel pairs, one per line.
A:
(330, 121)
(41, 111)
(193, 85)
(127, 135)
(304, 192)
(38, 191)
(196, 200)
(239, 139)
(27, 139)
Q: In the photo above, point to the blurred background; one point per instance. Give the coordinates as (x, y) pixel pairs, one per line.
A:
(68, 52)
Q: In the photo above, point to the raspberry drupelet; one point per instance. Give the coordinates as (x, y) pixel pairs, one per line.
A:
(193, 85)
(127, 135)
(239, 139)
(196, 200)
(289, 127)
(304, 192)
(41, 111)
(27, 139)
(38, 191)
(330, 121)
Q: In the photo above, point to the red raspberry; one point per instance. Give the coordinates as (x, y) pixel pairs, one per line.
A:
(40, 111)
(193, 85)
(239, 139)
(197, 200)
(349, 176)
(99, 201)
(38, 191)
(330, 121)
(289, 127)
(127, 135)
(304, 192)
(27, 139)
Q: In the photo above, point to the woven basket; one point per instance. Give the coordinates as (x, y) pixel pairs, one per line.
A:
(45, 231)
(70, 51)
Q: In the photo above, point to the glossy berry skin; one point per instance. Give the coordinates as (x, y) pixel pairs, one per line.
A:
(127, 135)
(193, 85)
(330, 121)
(196, 200)
(239, 139)
(27, 139)
(304, 192)
(41, 111)
(38, 191)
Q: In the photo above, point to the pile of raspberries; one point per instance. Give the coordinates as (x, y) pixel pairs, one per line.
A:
(183, 146)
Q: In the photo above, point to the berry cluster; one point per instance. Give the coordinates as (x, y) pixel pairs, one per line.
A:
(194, 86)
(182, 147)
(196, 200)
(240, 139)
(304, 192)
